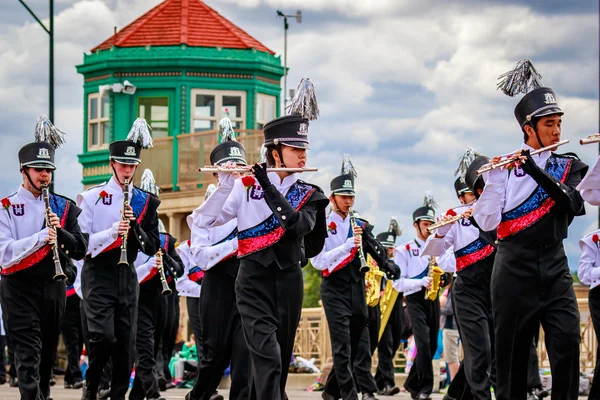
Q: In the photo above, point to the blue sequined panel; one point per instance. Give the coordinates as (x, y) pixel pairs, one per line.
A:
(261, 229)
(138, 201)
(471, 248)
(58, 204)
(556, 168)
(163, 239)
(422, 274)
(297, 193)
(229, 237)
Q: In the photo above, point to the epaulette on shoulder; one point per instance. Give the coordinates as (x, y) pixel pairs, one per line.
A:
(64, 197)
(568, 155)
(95, 186)
(145, 191)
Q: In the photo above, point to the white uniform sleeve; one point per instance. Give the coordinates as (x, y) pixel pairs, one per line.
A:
(329, 259)
(588, 270)
(404, 284)
(447, 261)
(98, 241)
(144, 269)
(202, 252)
(221, 207)
(12, 251)
(437, 246)
(488, 208)
(589, 187)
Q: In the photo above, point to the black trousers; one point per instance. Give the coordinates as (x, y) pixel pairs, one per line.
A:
(193, 310)
(594, 299)
(425, 320)
(107, 372)
(346, 311)
(533, 368)
(473, 312)
(532, 286)
(365, 382)
(2, 357)
(34, 310)
(388, 346)
(110, 295)
(72, 332)
(269, 300)
(167, 343)
(149, 317)
(222, 338)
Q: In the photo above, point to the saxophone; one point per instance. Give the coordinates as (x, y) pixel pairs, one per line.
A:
(373, 279)
(435, 273)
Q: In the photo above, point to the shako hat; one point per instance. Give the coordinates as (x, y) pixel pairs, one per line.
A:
(388, 239)
(292, 129)
(538, 101)
(229, 149)
(40, 153)
(343, 184)
(471, 177)
(128, 151)
(427, 211)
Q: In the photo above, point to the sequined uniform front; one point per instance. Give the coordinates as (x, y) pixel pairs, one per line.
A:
(531, 281)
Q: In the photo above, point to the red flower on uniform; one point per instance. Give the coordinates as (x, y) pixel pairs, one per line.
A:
(248, 182)
(6, 204)
(102, 195)
(595, 238)
(451, 213)
(332, 227)
(407, 247)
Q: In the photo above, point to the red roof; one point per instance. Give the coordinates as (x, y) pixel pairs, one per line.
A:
(175, 22)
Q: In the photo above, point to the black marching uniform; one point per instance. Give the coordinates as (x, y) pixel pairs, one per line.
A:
(392, 334)
(343, 293)
(215, 251)
(474, 252)
(33, 303)
(532, 207)
(72, 333)
(365, 382)
(151, 316)
(274, 216)
(110, 291)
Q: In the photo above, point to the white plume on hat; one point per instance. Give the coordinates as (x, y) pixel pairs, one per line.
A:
(45, 131)
(148, 183)
(140, 133)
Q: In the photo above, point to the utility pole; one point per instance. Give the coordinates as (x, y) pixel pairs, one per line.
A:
(298, 17)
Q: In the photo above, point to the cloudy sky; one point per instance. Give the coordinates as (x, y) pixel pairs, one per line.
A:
(404, 86)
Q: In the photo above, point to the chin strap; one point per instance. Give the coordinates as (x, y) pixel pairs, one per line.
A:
(30, 181)
(336, 208)
(421, 231)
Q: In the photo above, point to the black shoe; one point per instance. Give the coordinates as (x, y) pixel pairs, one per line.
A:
(162, 383)
(369, 396)
(216, 396)
(541, 393)
(327, 396)
(425, 396)
(68, 385)
(13, 381)
(389, 390)
(52, 381)
(531, 396)
(103, 394)
(88, 394)
(170, 385)
(78, 384)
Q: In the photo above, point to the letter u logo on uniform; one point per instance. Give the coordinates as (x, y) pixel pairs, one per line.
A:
(18, 210)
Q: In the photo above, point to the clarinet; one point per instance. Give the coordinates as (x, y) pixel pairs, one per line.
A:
(364, 267)
(123, 259)
(166, 290)
(59, 275)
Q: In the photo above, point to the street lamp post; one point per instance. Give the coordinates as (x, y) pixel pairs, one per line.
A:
(298, 17)
(50, 33)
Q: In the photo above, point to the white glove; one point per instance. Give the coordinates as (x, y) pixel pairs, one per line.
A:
(443, 230)
(226, 179)
(114, 229)
(42, 236)
(425, 281)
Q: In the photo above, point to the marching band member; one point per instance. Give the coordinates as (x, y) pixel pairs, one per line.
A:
(33, 302)
(343, 285)
(392, 333)
(276, 213)
(589, 274)
(589, 187)
(424, 314)
(531, 206)
(151, 273)
(110, 290)
(72, 331)
(474, 259)
(214, 250)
